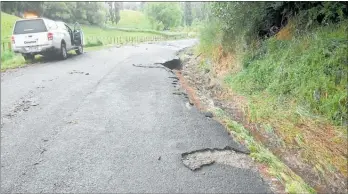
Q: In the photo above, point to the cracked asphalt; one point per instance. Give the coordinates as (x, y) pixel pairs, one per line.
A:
(94, 123)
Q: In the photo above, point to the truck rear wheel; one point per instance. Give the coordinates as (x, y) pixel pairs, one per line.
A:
(28, 57)
(63, 52)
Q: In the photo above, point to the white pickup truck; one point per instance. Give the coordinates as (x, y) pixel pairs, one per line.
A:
(46, 37)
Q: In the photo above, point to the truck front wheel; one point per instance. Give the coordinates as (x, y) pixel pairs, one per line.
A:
(79, 50)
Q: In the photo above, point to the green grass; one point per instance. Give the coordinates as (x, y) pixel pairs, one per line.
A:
(276, 168)
(296, 89)
(300, 85)
(10, 60)
(311, 69)
(136, 21)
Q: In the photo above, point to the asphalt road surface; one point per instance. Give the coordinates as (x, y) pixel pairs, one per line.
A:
(95, 123)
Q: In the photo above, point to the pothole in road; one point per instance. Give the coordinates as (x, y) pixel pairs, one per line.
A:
(197, 159)
(173, 64)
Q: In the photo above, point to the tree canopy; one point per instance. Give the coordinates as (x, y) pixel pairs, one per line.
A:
(164, 15)
(94, 13)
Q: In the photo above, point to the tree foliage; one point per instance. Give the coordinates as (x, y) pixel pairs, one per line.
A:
(18, 7)
(84, 12)
(255, 20)
(117, 11)
(200, 10)
(188, 13)
(164, 15)
(114, 11)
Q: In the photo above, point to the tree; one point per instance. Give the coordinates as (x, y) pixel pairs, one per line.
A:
(117, 11)
(19, 7)
(188, 13)
(96, 13)
(200, 10)
(163, 15)
(142, 5)
(57, 11)
(111, 12)
(114, 11)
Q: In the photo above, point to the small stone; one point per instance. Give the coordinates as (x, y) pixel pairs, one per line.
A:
(159, 158)
(87, 74)
(177, 93)
(34, 104)
(209, 114)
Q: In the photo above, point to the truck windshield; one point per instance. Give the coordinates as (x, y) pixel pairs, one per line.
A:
(29, 26)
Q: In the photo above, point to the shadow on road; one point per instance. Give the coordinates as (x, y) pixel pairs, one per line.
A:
(47, 59)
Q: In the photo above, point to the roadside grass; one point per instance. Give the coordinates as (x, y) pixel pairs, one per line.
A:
(295, 86)
(276, 168)
(11, 60)
(311, 69)
(299, 87)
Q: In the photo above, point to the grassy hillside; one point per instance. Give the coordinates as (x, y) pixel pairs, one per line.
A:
(7, 22)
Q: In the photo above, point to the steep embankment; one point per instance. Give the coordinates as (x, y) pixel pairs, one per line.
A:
(290, 94)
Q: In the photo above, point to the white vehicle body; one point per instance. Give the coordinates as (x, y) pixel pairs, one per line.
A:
(43, 36)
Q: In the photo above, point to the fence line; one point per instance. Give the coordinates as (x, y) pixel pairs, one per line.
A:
(99, 41)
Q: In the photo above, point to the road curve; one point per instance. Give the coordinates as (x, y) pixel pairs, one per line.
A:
(94, 123)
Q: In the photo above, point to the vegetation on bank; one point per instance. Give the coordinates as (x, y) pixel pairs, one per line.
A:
(290, 60)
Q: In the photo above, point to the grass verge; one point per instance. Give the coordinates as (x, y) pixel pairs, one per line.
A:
(11, 60)
(293, 183)
(295, 86)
